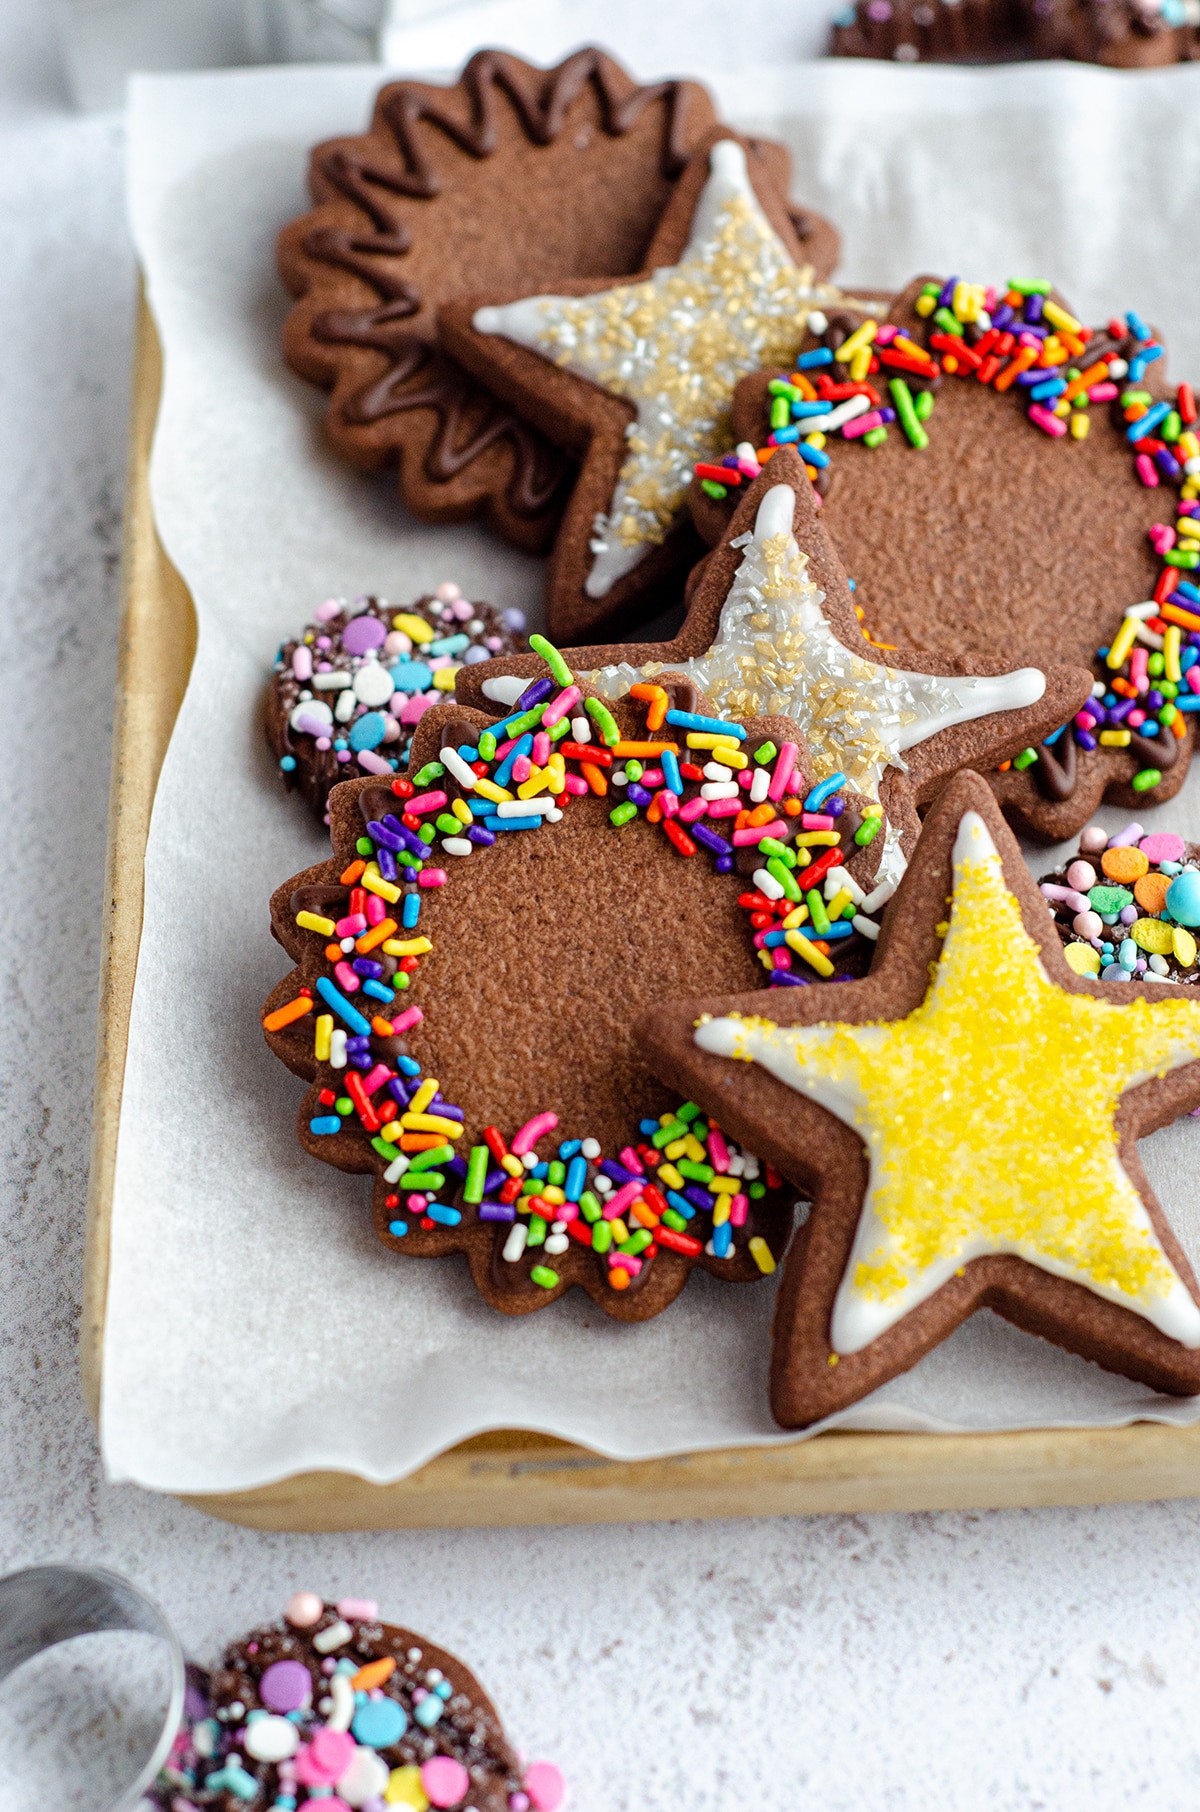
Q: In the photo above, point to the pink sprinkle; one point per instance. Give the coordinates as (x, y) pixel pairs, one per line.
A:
(785, 761)
(781, 958)
(376, 910)
(651, 778)
(544, 1785)
(527, 1136)
(373, 763)
(359, 1610)
(566, 1212)
(738, 1209)
(862, 424)
(754, 834)
(631, 1161)
(697, 807)
(1103, 393)
(325, 612)
(347, 977)
(1161, 537)
(620, 1199)
(412, 1016)
(1139, 668)
(425, 802)
(1190, 508)
(560, 706)
(625, 1262)
(540, 753)
(374, 1079)
(418, 704)
(669, 802)
(1192, 676)
(575, 783)
(817, 821)
(1085, 720)
(1163, 846)
(722, 808)
(886, 335)
(446, 1782)
(718, 1151)
(432, 877)
(1147, 471)
(745, 778)
(302, 661)
(417, 1204)
(749, 468)
(1135, 719)
(1049, 424)
(354, 926)
(506, 748)
(522, 768)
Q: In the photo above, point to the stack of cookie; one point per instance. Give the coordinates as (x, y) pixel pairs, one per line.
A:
(564, 988)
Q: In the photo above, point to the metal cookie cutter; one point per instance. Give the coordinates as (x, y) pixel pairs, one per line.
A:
(42, 1606)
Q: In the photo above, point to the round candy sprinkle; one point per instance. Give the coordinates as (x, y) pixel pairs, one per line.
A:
(363, 633)
(379, 1723)
(544, 1785)
(1163, 846)
(446, 1782)
(1141, 939)
(271, 1739)
(286, 1686)
(1124, 864)
(304, 1609)
(1183, 898)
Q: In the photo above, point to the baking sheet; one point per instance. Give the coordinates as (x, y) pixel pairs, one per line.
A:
(255, 1327)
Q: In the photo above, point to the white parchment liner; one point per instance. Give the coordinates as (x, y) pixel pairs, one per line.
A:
(255, 1326)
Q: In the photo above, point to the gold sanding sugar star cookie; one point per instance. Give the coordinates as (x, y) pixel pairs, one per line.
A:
(639, 376)
(968, 1128)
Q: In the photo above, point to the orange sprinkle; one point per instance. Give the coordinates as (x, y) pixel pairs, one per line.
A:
(420, 1141)
(762, 454)
(1003, 767)
(1150, 891)
(654, 811)
(1178, 726)
(1125, 863)
(1127, 687)
(644, 1215)
(374, 1674)
(594, 777)
(641, 750)
(804, 385)
(793, 807)
(1187, 619)
(381, 1027)
(375, 935)
(1023, 360)
(657, 700)
(333, 953)
(1094, 374)
(618, 1278)
(762, 814)
(352, 873)
(291, 1010)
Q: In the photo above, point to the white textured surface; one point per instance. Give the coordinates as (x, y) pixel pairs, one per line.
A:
(1019, 1661)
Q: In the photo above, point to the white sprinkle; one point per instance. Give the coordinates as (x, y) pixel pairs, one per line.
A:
(330, 682)
(453, 762)
(759, 784)
(766, 883)
(720, 789)
(865, 927)
(506, 689)
(514, 1245)
(458, 846)
(525, 808)
(336, 1636)
(581, 729)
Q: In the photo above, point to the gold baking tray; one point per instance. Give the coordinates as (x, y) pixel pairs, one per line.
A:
(508, 1477)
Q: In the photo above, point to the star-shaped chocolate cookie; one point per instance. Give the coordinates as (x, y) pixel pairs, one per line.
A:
(635, 377)
(967, 1125)
(771, 627)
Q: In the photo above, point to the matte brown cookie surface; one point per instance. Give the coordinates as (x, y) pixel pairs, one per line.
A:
(999, 1097)
(513, 174)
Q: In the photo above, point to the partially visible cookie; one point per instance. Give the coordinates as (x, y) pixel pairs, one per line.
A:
(329, 1707)
(511, 174)
(635, 376)
(966, 1120)
(1124, 34)
(348, 693)
(470, 963)
(1127, 907)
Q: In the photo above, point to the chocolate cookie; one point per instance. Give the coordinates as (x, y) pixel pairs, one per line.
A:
(967, 1124)
(635, 376)
(771, 627)
(331, 1707)
(1124, 34)
(347, 695)
(513, 174)
(1126, 908)
(683, 839)
(956, 514)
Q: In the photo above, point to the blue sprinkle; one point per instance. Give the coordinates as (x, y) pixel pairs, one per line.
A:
(397, 1229)
(1136, 325)
(448, 644)
(672, 778)
(323, 1124)
(341, 1006)
(825, 790)
(839, 928)
(408, 1066)
(379, 991)
(809, 361)
(568, 1148)
(783, 437)
(1139, 429)
(689, 720)
(411, 676)
(522, 746)
(410, 912)
(680, 1204)
(722, 1240)
(815, 457)
(287, 763)
(513, 824)
(445, 1217)
(577, 1170)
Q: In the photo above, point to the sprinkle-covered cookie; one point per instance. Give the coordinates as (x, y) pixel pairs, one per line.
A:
(967, 1124)
(1071, 450)
(348, 693)
(1127, 907)
(1124, 34)
(331, 1708)
(470, 963)
(636, 375)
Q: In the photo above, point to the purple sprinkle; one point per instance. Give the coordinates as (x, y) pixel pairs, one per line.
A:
(477, 834)
(385, 837)
(495, 1179)
(711, 840)
(497, 1211)
(362, 634)
(1154, 699)
(358, 1042)
(362, 965)
(1167, 464)
(947, 295)
(399, 1091)
(456, 1167)
(1129, 915)
(1114, 714)
(534, 694)
(886, 415)
(387, 864)
(724, 865)
(783, 978)
(638, 794)
(1085, 739)
(699, 1198)
(1033, 309)
(1002, 316)
(513, 619)
(617, 1173)
(834, 807)
(362, 1060)
(1027, 379)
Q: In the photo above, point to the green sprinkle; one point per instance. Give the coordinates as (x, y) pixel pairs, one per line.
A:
(781, 387)
(765, 752)
(1025, 759)
(674, 1129)
(902, 397)
(779, 872)
(781, 412)
(621, 814)
(449, 825)
(1155, 664)
(427, 833)
(1168, 688)
(487, 746)
(530, 1186)
(365, 847)
(771, 846)
(948, 323)
(604, 721)
(867, 831)
(875, 438)
(477, 1165)
(931, 289)
(1030, 286)
(401, 980)
(711, 488)
(384, 1149)
(407, 860)
(544, 1277)
(634, 770)
(556, 1173)
(1167, 716)
(560, 729)
(696, 1173)
(816, 911)
(528, 720)
(1172, 426)
(635, 1244)
(429, 1160)
(537, 1231)
(687, 1113)
(589, 1207)
(672, 1218)
(343, 1105)
(1149, 777)
(923, 405)
(553, 659)
(433, 770)
(427, 1181)
(757, 1191)
(601, 1236)
(1129, 397)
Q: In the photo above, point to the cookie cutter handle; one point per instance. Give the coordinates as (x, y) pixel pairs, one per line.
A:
(42, 1606)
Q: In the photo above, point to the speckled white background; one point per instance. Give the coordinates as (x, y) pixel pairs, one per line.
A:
(1023, 1660)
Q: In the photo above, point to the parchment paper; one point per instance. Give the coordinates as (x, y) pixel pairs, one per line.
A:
(255, 1326)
